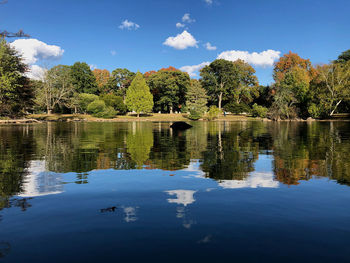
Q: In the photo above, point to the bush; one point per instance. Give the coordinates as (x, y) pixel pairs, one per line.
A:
(259, 111)
(213, 113)
(108, 113)
(237, 108)
(194, 115)
(84, 99)
(314, 111)
(96, 107)
(114, 101)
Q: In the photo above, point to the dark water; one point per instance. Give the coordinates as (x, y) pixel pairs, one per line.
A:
(139, 192)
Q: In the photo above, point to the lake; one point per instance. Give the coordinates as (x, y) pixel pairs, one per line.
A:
(247, 191)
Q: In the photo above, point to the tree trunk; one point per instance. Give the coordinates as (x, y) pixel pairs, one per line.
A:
(49, 111)
(75, 110)
(138, 115)
(336, 106)
(171, 109)
(220, 100)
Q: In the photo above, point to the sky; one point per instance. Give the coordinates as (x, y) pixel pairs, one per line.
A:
(187, 34)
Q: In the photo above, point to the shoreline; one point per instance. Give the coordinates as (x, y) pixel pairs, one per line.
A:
(156, 117)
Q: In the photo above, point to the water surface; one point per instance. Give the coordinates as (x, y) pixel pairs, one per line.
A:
(140, 192)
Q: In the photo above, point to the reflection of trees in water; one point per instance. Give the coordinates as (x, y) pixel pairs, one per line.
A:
(16, 149)
(231, 153)
(304, 150)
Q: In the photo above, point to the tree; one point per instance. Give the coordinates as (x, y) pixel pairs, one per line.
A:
(114, 101)
(83, 79)
(16, 93)
(121, 80)
(292, 75)
(56, 89)
(225, 80)
(289, 61)
(169, 87)
(196, 98)
(333, 85)
(102, 77)
(138, 96)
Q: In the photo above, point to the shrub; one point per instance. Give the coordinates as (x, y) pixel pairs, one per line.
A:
(95, 107)
(237, 108)
(108, 113)
(114, 101)
(314, 111)
(194, 115)
(84, 99)
(259, 111)
(213, 113)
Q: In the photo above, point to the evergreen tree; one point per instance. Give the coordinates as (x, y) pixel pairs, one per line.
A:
(196, 98)
(16, 93)
(138, 96)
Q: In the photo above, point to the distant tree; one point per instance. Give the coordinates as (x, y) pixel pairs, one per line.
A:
(16, 93)
(56, 89)
(83, 79)
(121, 80)
(196, 98)
(102, 77)
(138, 96)
(169, 87)
(85, 99)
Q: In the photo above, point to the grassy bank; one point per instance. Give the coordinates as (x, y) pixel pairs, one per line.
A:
(152, 117)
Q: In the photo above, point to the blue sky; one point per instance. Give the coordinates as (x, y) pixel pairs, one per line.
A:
(90, 31)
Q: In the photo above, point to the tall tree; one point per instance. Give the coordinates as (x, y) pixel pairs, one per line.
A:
(196, 97)
(292, 75)
(169, 87)
(225, 80)
(16, 93)
(83, 79)
(56, 89)
(138, 96)
(102, 77)
(121, 80)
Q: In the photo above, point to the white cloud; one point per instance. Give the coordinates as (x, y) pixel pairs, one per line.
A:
(181, 41)
(191, 70)
(92, 66)
(208, 2)
(36, 72)
(187, 19)
(113, 52)
(263, 59)
(208, 46)
(126, 24)
(34, 50)
(180, 25)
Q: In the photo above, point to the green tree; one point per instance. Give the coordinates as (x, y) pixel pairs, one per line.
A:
(83, 79)
(138, 96)
(120, 81)
(196, 98)
(225, 80)
(332, 86)
(56, 89)
(16, 93)
(169, 87)
(114, 101)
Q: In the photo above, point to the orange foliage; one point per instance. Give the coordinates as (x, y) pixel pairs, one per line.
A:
(290, 60)
(149, 73)
(102, 76)
(170, 68)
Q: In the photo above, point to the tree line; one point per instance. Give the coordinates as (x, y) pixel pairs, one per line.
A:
(300, 89)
